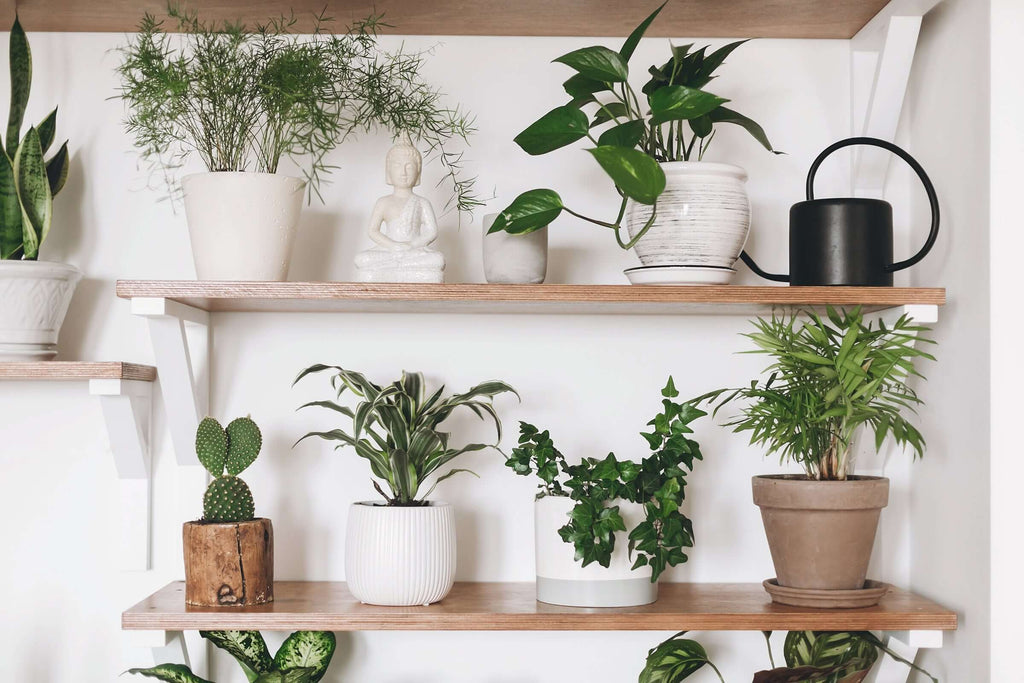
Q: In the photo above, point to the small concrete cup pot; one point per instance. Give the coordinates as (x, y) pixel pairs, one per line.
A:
(820, 533)
(229, 564)
(561, 580)
(514, 259)
(400, 555)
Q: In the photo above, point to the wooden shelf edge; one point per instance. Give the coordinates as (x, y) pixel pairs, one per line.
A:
(76, 370)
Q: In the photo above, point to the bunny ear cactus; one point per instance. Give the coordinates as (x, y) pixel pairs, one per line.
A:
(28, 181)
(225, 453)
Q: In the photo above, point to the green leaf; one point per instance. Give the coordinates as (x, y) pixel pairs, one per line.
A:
(247, 647)
(34, 192)
(11, 233)
(724, 115)
(626, 134)
(171, 673)
(307, 650)
(290, 676)
(634, 38)
(680, 103)
(714, 60)
(597, 62)
(579, 86)
(21, 84)
(674, 660)
(530, 211)
(57, 169)
(48, 130)
(559, 127)
(608, 112)
(702, 126)
(635, 173)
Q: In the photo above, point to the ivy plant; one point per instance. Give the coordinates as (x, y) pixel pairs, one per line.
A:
(657, 482)
(628, 138)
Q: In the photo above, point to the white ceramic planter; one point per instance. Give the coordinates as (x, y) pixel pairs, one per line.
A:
(400, 556)
(561, 580)
(703, 217)
(242, 225)
(34, 298)
(514, 259)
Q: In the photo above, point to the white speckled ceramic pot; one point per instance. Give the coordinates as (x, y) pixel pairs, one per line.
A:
(34, 298)
(242, 225)
(703, 217)
(400, 556)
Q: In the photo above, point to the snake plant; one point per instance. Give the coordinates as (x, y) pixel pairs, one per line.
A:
(28, 181)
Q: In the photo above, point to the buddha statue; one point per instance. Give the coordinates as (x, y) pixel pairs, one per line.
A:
(402, 226)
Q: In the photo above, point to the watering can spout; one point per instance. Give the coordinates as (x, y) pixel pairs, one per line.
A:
(760, 273)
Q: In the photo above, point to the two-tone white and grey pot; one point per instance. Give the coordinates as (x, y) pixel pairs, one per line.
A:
(34, 298)
(398, 555)
(701, 226)
(561, 580)
(242, 225)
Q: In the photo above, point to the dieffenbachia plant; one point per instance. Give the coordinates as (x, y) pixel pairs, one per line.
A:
(657, 482)
(677, 124)
(28, 180)
(302, 658)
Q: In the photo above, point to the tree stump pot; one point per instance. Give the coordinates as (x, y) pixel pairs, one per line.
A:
(229, 564)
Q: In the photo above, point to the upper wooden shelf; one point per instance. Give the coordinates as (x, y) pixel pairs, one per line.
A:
(481, 298)
(680, 18)
(512, 607)
(70, 371)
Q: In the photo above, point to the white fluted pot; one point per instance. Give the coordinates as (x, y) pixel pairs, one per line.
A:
(561, 580)
(242, 225)
(34, 298)
(703, 217)
(400, 556)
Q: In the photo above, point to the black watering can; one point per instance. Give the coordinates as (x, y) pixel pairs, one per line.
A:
(847, 240)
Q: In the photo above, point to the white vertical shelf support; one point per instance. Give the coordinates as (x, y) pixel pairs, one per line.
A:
(126, 408)
(906, 644)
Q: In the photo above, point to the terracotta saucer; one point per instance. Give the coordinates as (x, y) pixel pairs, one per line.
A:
(867, 596)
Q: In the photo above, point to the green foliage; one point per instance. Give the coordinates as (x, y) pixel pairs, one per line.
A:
(675, 659)
(657, 482)
(678, 124)
(244, 100)
(396, 427)
(28, 181)
(302, 658)
(830, 657)
(829, 377)
(228, 498)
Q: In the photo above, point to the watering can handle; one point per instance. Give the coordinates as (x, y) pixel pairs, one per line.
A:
(933, 200)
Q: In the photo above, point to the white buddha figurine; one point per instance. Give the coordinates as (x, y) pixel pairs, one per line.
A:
(403, 226)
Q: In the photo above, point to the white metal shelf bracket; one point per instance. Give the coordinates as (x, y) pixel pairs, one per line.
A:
(906, 644)
(127, 411)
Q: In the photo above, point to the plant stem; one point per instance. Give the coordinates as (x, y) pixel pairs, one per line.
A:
(716, 671)
(643, 231)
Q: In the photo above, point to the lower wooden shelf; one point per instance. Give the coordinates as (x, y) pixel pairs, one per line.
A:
(329, 606)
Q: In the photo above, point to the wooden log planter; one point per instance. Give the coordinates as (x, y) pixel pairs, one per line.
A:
(229, 564)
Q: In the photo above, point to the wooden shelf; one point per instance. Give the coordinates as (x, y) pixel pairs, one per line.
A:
(483, 298)
(513, 607)
(689, 18)
(71, 371)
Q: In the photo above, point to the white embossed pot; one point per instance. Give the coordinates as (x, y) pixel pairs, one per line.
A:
(34, 298)
(400, 555)
(561, 580)
(242, 225)
(703, 217)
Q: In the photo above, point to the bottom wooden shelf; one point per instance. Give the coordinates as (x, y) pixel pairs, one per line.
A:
(329, 606)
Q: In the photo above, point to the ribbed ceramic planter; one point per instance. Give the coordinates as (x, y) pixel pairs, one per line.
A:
(820, 533)
(400, 556)
(703, 217)
(514, 259)
(242, 225)
(34, 298)
(561, 580)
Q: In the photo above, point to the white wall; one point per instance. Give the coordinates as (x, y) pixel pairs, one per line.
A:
(592, 380)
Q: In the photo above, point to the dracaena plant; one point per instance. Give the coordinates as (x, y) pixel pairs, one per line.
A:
(397, 428)
(830, 376)
(28, 180)
(657, 482)
(302, 658)
(676, 122)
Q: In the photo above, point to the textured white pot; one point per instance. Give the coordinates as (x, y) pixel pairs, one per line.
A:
(34, 298)
(514, 259)
(561, 580)
(400, 556)
(703, 217)
(242, 225)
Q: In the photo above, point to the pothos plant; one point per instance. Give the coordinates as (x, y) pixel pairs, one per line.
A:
(657, 483)
(829, 377)
(302, 658)
(629, 138)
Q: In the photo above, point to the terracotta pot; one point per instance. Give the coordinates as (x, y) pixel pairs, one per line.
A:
(820, 533)
(229, 564)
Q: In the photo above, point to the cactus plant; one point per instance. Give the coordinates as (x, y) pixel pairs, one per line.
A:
(225, 453)
(28, 181)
